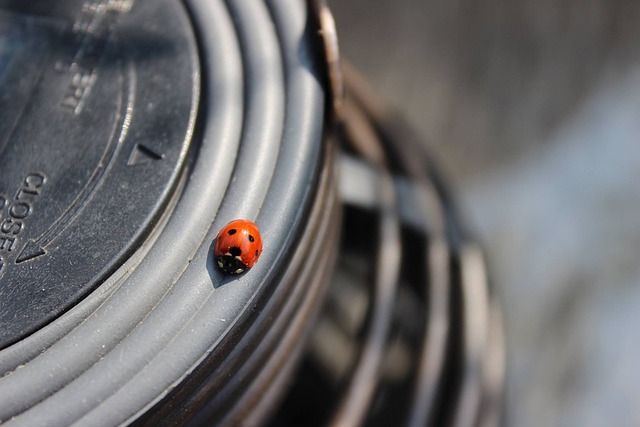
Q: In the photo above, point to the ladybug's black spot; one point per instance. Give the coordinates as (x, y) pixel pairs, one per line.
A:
(235, 251)
(251, 239)
(230, 264)
(256, 252)
(231, 232)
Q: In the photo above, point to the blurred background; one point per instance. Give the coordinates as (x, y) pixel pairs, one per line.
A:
(532, 109)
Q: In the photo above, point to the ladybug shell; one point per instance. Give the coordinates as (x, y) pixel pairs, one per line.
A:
(238, 246)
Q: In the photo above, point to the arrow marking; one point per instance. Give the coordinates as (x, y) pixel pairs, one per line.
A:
(142, 154)
(37, 247)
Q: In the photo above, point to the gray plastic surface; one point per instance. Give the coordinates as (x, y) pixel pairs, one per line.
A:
(168, 309)
(94, 137)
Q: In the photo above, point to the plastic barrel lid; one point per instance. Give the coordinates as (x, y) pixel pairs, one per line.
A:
(149, 125)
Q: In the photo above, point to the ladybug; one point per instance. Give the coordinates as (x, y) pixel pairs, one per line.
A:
(238, 246)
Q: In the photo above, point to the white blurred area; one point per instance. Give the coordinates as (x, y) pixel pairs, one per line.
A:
(533, 110)
(562, 229)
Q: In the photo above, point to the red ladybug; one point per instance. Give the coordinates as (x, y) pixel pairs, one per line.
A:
(238, 246)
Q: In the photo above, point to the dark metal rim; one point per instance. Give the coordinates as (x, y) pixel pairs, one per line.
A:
(472, 320)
